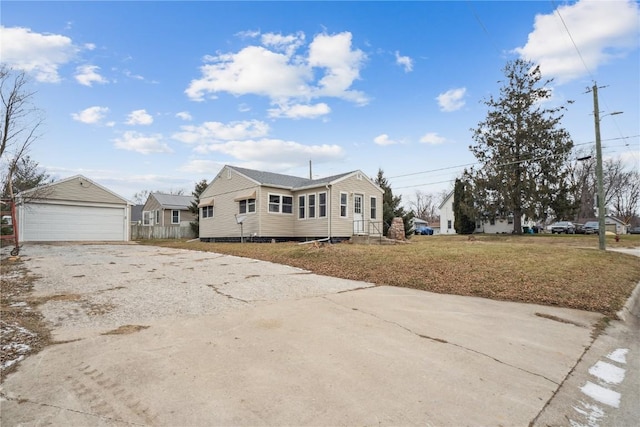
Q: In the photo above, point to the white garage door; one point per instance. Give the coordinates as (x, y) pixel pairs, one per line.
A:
(48, 222)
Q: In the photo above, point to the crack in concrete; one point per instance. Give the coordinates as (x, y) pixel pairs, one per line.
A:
(22, 400)
(442, 341)
(219, 292)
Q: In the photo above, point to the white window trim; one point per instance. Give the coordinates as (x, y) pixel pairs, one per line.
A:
(346, 205)
(372, 198)
(248, 205)
(202, 213)
(157, 217)
(172, 211)
(315, 206)
(302, 197)
(280, 204)
(149, 218)
(325, 204)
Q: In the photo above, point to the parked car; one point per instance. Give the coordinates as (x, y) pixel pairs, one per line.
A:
(634, 230)
(591, 227)
(424, 230)
(566, 227)
(579, 228)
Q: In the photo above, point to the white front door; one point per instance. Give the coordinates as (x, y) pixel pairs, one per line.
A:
(358, 217)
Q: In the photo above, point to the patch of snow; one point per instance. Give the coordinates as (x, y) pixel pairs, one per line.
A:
(592, 413)
(9, 363)
(607, 372)
(18, 304)
(619, 355)
(601, 394)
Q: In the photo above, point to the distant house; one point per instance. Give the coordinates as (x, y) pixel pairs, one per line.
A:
(136, 214)
(263, 206)
(72, 209)
(167, 210)
(491, 225)
(612, 224)
(447, 218)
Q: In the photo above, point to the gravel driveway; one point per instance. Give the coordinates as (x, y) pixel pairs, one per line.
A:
(103, 287)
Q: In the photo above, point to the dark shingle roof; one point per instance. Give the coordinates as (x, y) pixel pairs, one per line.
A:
(285, 181)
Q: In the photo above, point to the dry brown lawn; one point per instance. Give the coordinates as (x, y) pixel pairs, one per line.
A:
(558, 270)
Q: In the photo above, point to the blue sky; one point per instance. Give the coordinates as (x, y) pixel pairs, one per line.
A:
(159, 95)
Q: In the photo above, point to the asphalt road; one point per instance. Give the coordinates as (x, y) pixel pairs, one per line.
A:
(208, 339)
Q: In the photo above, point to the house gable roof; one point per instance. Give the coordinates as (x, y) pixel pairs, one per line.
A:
(446, 199)
(173, 201)
(288, 181)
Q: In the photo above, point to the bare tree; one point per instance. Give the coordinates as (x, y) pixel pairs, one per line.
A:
(424, 206)
(582, 179)
(21, 122)
(622, 189)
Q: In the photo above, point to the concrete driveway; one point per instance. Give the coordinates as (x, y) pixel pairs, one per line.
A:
(155, 336)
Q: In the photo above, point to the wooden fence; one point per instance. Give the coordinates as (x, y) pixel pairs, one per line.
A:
(141, 232)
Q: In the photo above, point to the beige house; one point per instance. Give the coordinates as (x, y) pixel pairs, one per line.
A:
(167, 210)
(250, 205)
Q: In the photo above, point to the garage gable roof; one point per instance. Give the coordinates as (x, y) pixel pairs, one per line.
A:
(76, 188)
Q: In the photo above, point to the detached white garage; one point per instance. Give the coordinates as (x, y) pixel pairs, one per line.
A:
(73, 209)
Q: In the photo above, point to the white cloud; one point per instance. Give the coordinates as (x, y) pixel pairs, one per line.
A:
(141, 143)
(184, 115)
(405, 62)
(88, 74)
(452, 100)
(139, 117)
(432, 138)
(341, 63)
(36, 53)
(91, 115)
(602, 31)
(300, 111)
(275, 71)
(384, 140)
(276, 154)
(216, 131)
(203, 167)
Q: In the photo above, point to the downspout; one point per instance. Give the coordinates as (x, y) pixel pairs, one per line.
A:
(330, 213)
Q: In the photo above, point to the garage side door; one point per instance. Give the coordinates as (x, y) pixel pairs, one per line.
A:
(47, 223)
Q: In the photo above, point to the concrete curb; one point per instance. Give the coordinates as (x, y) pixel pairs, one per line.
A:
(628, 308)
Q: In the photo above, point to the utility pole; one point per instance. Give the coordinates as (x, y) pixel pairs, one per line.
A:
(601, 223)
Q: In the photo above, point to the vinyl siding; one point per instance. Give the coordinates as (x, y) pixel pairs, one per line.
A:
(80, 190)
(225, 190)
(269, 224)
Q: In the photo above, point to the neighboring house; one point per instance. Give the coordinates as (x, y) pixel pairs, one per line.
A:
(447, 218)
(611, 223)
(263, 206)
(495, 225)
(136, 214)
(167, 210)
(72, 209)
(436, 228)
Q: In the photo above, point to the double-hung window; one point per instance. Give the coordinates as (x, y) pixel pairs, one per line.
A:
(374, 208)
(301, 207)
(322, 205)
(343, 205)
(247, 206)
(312, 205)
(280, 204)
(175, 216)
(207, 212)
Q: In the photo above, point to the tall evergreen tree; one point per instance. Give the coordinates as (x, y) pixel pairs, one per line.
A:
(391, 207)
(463, 210)
(522, 149)
(193, 207)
